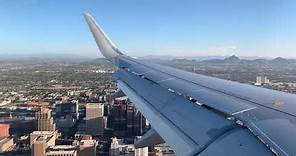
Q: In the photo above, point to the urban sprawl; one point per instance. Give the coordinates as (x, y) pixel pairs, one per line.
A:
(52, 107)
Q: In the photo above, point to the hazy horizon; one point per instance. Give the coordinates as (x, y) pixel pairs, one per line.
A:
(77, 56)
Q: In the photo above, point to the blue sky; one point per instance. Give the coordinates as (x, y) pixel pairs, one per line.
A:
(151, 27)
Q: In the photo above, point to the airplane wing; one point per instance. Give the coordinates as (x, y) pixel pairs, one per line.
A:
(202, 115)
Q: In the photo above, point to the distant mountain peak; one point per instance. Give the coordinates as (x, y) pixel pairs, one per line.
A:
(232, 59)
(279, 59)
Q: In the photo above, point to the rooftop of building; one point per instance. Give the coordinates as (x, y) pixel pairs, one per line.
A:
(62, 147)
(44, 138)
(44, 110)
(4, 140)
(84, 140)
(4, 125)
(88, 142)
(42, 133)
(122, 143)
(86, 137)
(121, 98)
(95, 105)
(61, 152)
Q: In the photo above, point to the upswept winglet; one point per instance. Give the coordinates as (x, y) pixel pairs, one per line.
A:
(107, 48)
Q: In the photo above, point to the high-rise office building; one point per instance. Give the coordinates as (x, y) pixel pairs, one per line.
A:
(45, 121)
(135, 121)
(118, 116)
(95, 122)
(40, 140)
(66, 116)
(125, 119)
(43, 144)
(39, 147)
(67, 108)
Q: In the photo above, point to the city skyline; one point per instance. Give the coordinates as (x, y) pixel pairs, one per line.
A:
(140, 28)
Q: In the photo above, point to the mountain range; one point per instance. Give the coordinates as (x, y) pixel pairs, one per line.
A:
(236, 60)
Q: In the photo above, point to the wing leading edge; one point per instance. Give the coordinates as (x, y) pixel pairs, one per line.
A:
(197, 114)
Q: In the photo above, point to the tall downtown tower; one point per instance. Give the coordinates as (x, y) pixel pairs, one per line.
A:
(45, 121)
